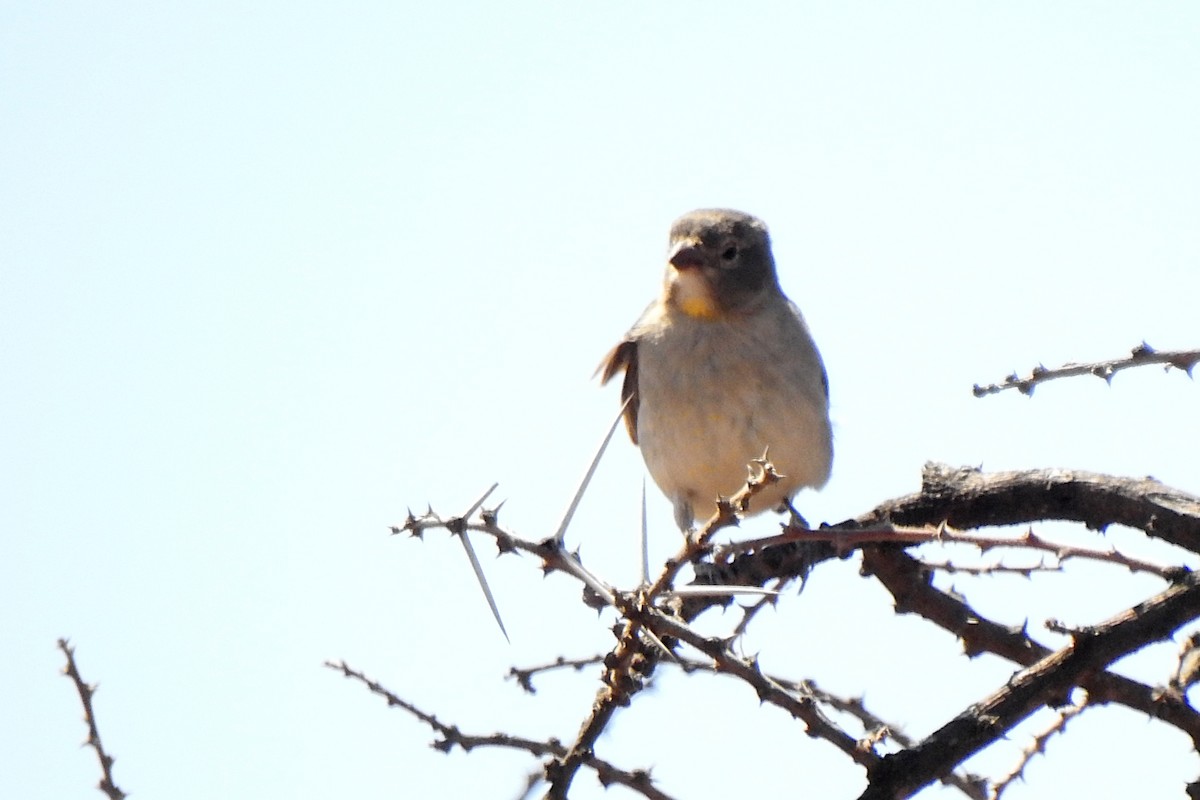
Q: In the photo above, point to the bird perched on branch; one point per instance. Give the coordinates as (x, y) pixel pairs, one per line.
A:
(720, 368)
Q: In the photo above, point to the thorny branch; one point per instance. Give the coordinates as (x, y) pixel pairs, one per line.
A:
(86, 691)
(631, 660)
(1140, 356)
(962, 498)
(876, 730)
(524, 677)
(909, 584)
(966, 497)
(1038, 745)
(846, 541)
(725, 660)
(451, 737)
(901, 774)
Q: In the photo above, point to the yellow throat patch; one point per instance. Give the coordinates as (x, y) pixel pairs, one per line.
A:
(700, 307)
(691, 294)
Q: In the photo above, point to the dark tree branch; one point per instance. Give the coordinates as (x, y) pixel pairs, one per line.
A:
(968, 498)
(900, 775)
(908, 581)
(106, 785)
(625, 673)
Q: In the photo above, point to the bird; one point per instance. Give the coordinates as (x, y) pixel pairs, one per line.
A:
(720, 369)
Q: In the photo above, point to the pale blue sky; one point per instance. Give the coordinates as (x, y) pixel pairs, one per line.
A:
(271, 273)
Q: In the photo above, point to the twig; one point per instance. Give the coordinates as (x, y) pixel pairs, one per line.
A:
(86, 691)
(846, 541)
(876, 730)
(800, 706)
(551, 551)
(637, 780)
(1038, 745)
(524, 677)
(997, 568)
(751, 611)
(1140, 356)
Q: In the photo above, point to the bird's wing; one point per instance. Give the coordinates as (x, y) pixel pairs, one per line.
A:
(624, 357)
(808, 336)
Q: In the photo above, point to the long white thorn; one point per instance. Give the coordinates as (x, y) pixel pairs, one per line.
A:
(475, 565)
(561, 533)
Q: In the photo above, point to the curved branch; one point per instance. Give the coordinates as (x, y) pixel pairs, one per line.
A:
(908, 581)
(901, 774)
(966, 497)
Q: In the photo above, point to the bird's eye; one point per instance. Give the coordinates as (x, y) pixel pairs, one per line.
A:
(730, 253)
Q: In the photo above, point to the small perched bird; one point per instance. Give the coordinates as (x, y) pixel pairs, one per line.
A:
(720, 368)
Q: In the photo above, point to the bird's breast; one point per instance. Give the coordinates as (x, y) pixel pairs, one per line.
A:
(715, 395)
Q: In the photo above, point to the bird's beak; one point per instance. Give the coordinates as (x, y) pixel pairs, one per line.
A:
(686, 254)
